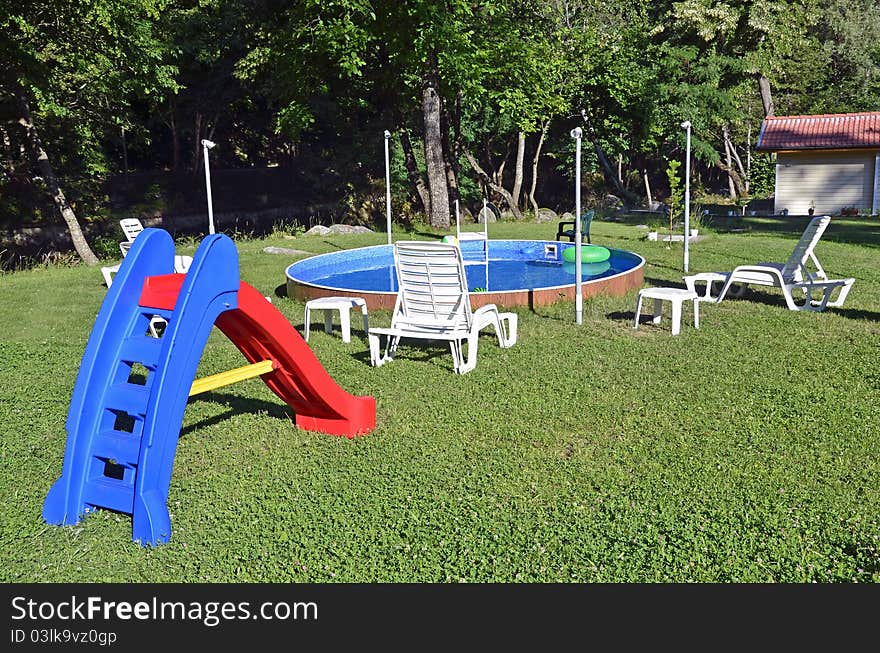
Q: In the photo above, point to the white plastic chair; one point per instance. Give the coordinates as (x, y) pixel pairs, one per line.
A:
(433, 304)
(790, 277)
(131, 227)
(181, 265)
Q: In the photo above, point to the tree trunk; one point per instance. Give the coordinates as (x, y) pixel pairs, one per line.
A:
(648, 190)
(42, 161)
(412, 170)
(544, 127)
(748, 158)
(175, 139)
(518, 173)
(603, 160)
(491, 184)
(197, 136)
(738, 184)
(728, 158)
(450, 166)
(124, 152)
(766, 96)
(743, 171)
(438, 215)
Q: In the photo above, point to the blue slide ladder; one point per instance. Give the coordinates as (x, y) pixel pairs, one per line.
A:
(132, 388)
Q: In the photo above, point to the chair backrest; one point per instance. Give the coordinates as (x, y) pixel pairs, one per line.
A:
(805, 246)
(586, 220)
(131, 227)
(432, 286)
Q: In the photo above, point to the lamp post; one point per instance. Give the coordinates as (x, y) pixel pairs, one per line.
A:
(207, 145)
(687, 192)
(576, 134)
(387, 186)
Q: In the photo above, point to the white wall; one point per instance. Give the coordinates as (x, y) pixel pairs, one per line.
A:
(833, 180)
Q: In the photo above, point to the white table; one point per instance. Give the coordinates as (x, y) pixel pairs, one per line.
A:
(341, 304)
(676, 297)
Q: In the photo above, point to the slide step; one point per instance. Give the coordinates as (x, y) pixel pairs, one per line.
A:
(106, 492)
(128, 397)
(141, 349)
(124, 448)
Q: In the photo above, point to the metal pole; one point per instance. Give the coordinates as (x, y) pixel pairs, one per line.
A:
(207, 145)
(576, 134)
(687, 194)
(387, 186)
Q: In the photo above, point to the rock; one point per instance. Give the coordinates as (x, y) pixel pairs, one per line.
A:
(348, 229)
(318, 230)
(612, 202)
(567, 217)
(546, 215)
(484, 215)
(285, 250)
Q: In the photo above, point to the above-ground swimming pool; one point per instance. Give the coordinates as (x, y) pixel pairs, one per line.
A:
(515, 273)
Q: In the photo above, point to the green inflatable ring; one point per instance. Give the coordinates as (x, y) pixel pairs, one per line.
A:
(589, 254)
(587, 269)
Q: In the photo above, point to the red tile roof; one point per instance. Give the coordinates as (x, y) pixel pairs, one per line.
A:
(823, 132)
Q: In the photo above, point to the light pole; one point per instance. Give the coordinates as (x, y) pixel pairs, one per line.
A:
(207, 145)
(576, 134)
(687, 192)
(387, 186)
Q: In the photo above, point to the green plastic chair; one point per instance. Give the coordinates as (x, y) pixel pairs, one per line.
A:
(586, 220)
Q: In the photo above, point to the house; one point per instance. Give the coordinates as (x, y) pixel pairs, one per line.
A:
(830, 161)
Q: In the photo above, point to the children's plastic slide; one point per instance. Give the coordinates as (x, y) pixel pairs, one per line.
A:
(132, 388)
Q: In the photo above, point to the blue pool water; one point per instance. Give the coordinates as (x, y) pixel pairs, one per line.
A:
(512, 265)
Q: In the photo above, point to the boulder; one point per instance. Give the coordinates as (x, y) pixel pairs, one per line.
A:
(285, 250)
(348, 229)
(542, 216)
(486, 215)
(318, 230)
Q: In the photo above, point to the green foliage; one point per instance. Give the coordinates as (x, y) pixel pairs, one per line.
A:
(676, 191)
(135, 84)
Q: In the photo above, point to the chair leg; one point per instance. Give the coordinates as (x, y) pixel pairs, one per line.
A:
(510, 321)
(457, 355)
(696, 303)
(377, 356)
(307, 320)
(844, 291)
(473, 341)
(345, 325)
(375, 348)
(155, 323)
(658, 311)
(676, 317)
(638, 312)
(366, 319)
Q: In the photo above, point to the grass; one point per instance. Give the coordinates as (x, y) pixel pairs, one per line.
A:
(745, 451)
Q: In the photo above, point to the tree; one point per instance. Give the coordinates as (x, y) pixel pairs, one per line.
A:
(71, 69)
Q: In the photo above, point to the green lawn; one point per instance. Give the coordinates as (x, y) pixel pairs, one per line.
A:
(746, 451)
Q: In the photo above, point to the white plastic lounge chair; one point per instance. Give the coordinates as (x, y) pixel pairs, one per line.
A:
(181, 265)
(433, 304)
(790, 277)
(131, 227)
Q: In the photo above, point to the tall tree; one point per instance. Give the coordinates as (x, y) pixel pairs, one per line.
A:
(72, 68)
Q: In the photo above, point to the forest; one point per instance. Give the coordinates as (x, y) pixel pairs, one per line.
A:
(477, 98)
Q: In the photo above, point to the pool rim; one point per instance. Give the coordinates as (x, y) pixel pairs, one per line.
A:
(616, 284)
